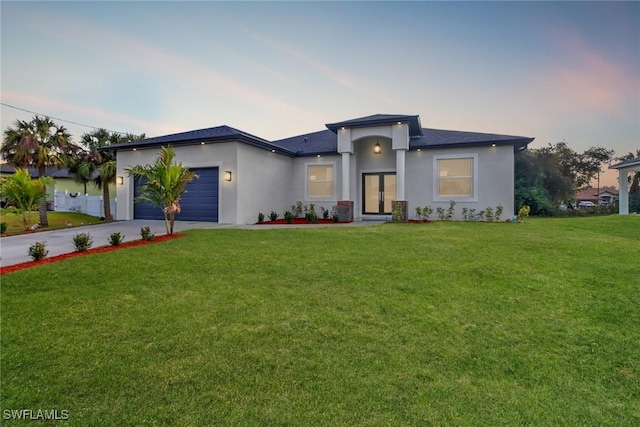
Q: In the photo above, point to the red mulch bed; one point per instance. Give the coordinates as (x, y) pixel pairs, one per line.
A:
(282, 221)
(29, 264)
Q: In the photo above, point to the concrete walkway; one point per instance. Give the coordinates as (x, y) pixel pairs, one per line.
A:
(15, 249)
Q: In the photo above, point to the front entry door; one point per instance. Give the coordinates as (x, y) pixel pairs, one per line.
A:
(378, 191)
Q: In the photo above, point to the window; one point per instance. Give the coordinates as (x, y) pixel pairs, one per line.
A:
(455, 177)
(320, 181)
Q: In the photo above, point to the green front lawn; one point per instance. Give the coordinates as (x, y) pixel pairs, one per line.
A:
(56, 220)
(445, 323)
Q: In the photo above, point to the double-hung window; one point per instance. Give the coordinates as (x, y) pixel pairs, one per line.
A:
(320, 181)
(456, 177)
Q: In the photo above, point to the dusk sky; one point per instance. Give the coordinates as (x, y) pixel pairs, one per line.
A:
(550, 70)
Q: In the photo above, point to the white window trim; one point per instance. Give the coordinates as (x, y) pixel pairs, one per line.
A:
(306, 180)
(436, 177)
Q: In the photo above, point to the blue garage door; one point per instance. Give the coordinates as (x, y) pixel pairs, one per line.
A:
(199, 203)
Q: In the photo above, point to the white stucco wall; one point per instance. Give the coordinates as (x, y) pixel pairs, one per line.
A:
(263, 182)
(299, 182)
(495, 175)
(222, 155)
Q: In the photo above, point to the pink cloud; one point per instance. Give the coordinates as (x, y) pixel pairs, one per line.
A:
(587, 81)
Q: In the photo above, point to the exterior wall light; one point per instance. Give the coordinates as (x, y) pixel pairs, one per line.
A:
(376, 148)
(227, 175)
(119, 180)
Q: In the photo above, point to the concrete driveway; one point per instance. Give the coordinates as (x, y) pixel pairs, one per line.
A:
(14, 249)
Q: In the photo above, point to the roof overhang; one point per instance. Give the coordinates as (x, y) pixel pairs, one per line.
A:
(633, 164)
(415, 128)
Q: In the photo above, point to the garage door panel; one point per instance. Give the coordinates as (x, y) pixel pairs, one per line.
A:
(199, 203)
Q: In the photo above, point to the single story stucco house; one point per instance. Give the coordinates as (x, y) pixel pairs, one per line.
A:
(361, 165)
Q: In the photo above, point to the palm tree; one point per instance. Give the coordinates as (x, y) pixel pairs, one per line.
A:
(635, 177)
(38, 144)
(24, 193)
(165, 183)
(96, 165)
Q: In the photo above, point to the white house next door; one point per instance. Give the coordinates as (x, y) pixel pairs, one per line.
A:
(378, 191)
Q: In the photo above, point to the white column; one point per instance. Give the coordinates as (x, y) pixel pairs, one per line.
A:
(346, 161)
(623, 193)
(400, 174)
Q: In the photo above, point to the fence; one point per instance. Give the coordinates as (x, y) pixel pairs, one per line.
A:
(75, 202)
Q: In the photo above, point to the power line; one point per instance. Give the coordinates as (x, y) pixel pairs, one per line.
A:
(62, 120)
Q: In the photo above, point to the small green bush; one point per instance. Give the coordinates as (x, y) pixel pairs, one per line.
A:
(397, 213)
(288, 217)
(489, 214)
(325, 212)
(82, 241)
(499, 210)
(310, 213)
(38, 251)
(3, 227)
(334, 214)
(260, 218)
(115, 239)
(146, 234)
(273, 215)
(523, 213)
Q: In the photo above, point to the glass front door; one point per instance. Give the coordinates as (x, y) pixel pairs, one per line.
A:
(378, 190)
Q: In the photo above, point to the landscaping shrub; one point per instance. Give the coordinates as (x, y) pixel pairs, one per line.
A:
(397, 214)
(273, 215)
(499, 210)
(38, 251)
(146, 234)
(523, 213)
(310, 214)
(325, 212)
(334, 214)
(260, 218)
(82, 241)
(115, 239)
(288, 217)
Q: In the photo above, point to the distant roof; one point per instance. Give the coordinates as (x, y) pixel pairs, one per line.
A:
(209, 135)
(626, 163)
(415, 129)
(51, 171)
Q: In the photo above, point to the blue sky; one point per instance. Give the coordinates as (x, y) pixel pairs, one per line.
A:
(551, 70)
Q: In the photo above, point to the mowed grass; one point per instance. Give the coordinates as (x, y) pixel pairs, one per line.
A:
(445, 323)
(56, 220)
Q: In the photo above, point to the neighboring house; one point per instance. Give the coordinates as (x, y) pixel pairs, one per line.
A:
(63, 182)
(605, 197)
(361, 165)
(625, 169)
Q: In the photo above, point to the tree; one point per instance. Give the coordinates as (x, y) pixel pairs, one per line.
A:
(24, 193)
(93, 164)
(551, 175)
(38, 144)
(165, 184)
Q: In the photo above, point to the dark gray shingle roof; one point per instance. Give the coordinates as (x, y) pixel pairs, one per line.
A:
(415, 128)
(209, 135)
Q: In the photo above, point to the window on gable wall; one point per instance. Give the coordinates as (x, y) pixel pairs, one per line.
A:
(320, 180)
(455, 177)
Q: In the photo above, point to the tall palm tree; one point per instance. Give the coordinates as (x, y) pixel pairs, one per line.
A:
(166, 182)
(93, 164)
(38, 144)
